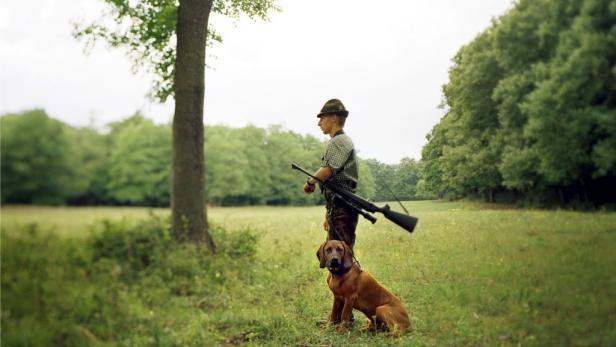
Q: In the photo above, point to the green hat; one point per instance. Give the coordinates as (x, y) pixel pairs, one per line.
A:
(333, 106)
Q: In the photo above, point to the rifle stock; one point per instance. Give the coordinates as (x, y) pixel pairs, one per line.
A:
(406, 222)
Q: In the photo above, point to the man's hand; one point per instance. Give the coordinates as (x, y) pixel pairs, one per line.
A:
(309, 188)
(323, 173)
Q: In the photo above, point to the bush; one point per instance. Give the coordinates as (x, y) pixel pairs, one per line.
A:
(46, 296)
(129, 284)
(136, 246)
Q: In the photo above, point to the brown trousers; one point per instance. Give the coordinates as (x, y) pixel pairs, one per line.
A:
(342, 223)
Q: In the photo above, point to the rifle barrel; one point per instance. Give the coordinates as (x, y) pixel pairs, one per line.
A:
(360, 204)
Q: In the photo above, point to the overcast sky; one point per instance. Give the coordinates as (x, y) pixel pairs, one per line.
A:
(386, 60)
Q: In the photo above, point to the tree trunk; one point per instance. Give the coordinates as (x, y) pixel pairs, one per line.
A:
(187, 187)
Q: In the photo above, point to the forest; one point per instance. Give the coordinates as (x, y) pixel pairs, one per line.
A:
(531, 109)
(529, 118)
(45, 161)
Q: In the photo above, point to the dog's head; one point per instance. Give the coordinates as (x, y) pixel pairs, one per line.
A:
(336, 255)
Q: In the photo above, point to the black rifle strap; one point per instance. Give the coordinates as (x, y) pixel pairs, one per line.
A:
(395, 197)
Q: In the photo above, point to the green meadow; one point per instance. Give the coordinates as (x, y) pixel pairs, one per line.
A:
(470, 275)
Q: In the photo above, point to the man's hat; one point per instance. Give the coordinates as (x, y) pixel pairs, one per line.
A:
(333, 106)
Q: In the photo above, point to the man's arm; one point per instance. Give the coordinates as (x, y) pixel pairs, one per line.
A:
(323, 173)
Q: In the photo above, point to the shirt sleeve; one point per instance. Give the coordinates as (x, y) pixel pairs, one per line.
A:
(335, 155)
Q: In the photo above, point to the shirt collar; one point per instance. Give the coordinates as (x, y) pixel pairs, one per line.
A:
(339, 132)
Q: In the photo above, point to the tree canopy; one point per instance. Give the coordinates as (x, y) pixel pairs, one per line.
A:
(40, 159)
(45, 161)
(146, 31)
(531, 107)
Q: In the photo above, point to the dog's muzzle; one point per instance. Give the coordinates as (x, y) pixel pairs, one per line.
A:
(334, 263)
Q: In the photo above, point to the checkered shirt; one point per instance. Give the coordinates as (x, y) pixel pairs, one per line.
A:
(340, 157)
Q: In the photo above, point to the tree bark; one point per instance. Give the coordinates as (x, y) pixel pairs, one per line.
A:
(187, 188)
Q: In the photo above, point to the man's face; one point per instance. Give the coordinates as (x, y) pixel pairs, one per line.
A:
(327, 122)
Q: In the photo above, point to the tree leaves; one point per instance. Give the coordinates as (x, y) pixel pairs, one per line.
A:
(530, 104)
(145, 29)
(40, 160)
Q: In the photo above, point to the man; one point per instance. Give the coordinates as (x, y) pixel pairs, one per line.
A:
(339, 165)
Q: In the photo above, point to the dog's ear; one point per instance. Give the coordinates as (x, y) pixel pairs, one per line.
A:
(347, 259)
(321, 255)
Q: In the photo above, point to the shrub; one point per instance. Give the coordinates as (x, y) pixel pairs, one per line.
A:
(129, 284)
(136, 246)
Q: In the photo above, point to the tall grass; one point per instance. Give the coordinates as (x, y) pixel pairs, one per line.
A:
(471, 274)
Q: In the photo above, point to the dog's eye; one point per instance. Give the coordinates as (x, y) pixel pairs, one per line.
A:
(328, 250)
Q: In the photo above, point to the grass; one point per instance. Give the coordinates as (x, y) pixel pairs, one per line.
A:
(471, 274)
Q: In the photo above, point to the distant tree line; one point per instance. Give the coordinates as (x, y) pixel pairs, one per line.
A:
(531, 108)
(530, 116)
(45, 161)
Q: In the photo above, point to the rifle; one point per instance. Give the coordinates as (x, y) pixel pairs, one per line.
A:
(363, 206)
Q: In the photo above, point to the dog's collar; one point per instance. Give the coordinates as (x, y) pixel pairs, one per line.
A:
(342, 274)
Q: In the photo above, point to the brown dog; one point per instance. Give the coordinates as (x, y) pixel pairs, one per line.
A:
(355, 288)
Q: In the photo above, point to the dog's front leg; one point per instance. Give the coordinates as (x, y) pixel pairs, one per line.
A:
(349, 302)
(336, 315)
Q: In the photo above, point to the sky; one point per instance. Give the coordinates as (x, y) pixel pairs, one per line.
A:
(386, 60)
